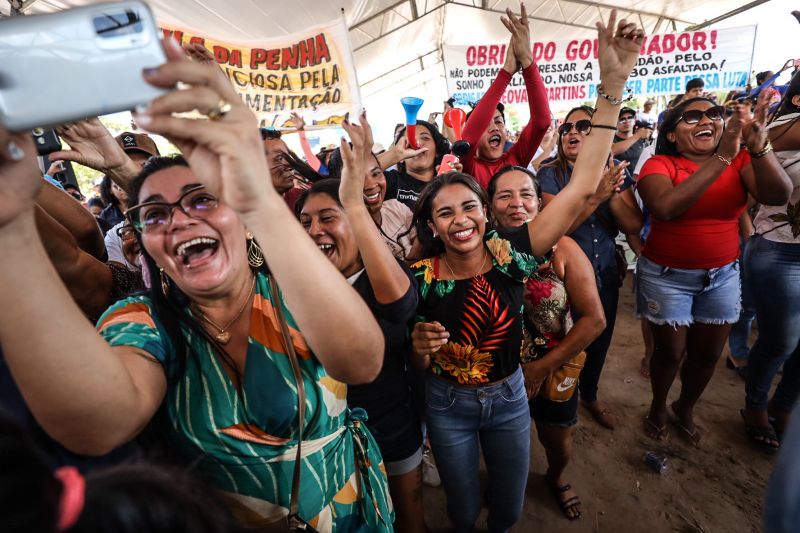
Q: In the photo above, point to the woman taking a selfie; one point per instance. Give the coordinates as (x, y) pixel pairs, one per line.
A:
(469, 324)
(206, 348)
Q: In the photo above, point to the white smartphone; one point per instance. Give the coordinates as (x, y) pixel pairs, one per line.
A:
(78, 63)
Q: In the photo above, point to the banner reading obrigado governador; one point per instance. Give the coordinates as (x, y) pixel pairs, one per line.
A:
(569, 68)
(311, 70)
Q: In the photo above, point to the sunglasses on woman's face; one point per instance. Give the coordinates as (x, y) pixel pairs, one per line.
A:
(582, 126)
(693, 116)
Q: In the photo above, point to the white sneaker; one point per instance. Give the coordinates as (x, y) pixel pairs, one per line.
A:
(430, 475)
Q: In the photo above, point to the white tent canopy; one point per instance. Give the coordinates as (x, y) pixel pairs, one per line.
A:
(398, 44)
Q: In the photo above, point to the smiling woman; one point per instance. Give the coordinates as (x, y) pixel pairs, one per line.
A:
(469, 321)
(688, 285)
(207, 347)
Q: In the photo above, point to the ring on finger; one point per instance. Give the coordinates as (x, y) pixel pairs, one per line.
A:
(218, 113)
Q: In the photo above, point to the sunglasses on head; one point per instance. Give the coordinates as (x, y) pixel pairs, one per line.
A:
(582, 126)
(693, 116)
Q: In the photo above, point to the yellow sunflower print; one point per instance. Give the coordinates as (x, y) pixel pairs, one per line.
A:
(500, 249)
(428, 272)
(464, 362)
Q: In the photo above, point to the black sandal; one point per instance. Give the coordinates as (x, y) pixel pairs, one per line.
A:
(567, 504)
(761, 436)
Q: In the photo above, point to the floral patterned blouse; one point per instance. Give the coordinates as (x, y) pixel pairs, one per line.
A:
(483, 314)
(548, 314)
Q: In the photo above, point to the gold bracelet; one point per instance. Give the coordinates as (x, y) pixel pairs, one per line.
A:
(761, 153)
(723, 159)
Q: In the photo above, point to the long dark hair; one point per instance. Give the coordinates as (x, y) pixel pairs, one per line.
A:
(442, 144)
(305, 170)
(147, 498)
(106, 194)
(423, 211)
(663, 145)
(560, 164)
(171, 309)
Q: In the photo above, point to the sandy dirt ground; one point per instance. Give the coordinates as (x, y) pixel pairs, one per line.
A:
(717, 488)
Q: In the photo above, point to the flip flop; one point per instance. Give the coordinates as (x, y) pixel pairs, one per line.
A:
(567, 504)
(693, 436)
(761, 435)
(655, 432)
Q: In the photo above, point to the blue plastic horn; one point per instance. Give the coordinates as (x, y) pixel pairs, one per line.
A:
(411, 104)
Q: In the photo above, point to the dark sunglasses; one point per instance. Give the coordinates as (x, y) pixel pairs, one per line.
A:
(582, 126)
(149, 217)
(693, 116)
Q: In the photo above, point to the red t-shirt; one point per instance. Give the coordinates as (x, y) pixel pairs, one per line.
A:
(707, 234)
(524, 149)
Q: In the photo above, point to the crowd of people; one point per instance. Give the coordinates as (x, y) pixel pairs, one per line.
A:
(240, 338)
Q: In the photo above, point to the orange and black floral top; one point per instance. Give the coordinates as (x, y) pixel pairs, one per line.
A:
(483, 314)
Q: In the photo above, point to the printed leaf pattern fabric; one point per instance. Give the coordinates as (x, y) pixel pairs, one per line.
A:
(483, 314)
(242, 441)
(790, 218)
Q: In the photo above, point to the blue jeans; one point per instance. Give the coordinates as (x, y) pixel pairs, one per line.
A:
(740, 332)
(497, 416)
(608, 288)
(773, 271)
(782, 503)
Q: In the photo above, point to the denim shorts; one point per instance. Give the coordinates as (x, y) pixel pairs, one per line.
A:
(559, 414)
(683, 296)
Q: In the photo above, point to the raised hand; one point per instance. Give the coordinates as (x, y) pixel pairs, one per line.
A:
(20, 177)
(298, 121)
(754, 131)
(403, 150)
(612, 180)
(225, 152)
(354, 162)
(731, 139)
(520, 35)
(199, 53)
(91, 145)
(618, 48)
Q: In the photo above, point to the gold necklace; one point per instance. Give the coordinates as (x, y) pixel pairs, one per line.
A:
(483, 265)
(224, 336)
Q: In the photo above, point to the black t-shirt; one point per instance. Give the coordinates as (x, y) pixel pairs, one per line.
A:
(632, 154)
(403, 187)
(390, 389)
(483, 314)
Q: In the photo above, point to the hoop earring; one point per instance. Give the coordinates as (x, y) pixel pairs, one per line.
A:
(164, 282)
(255, 256)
